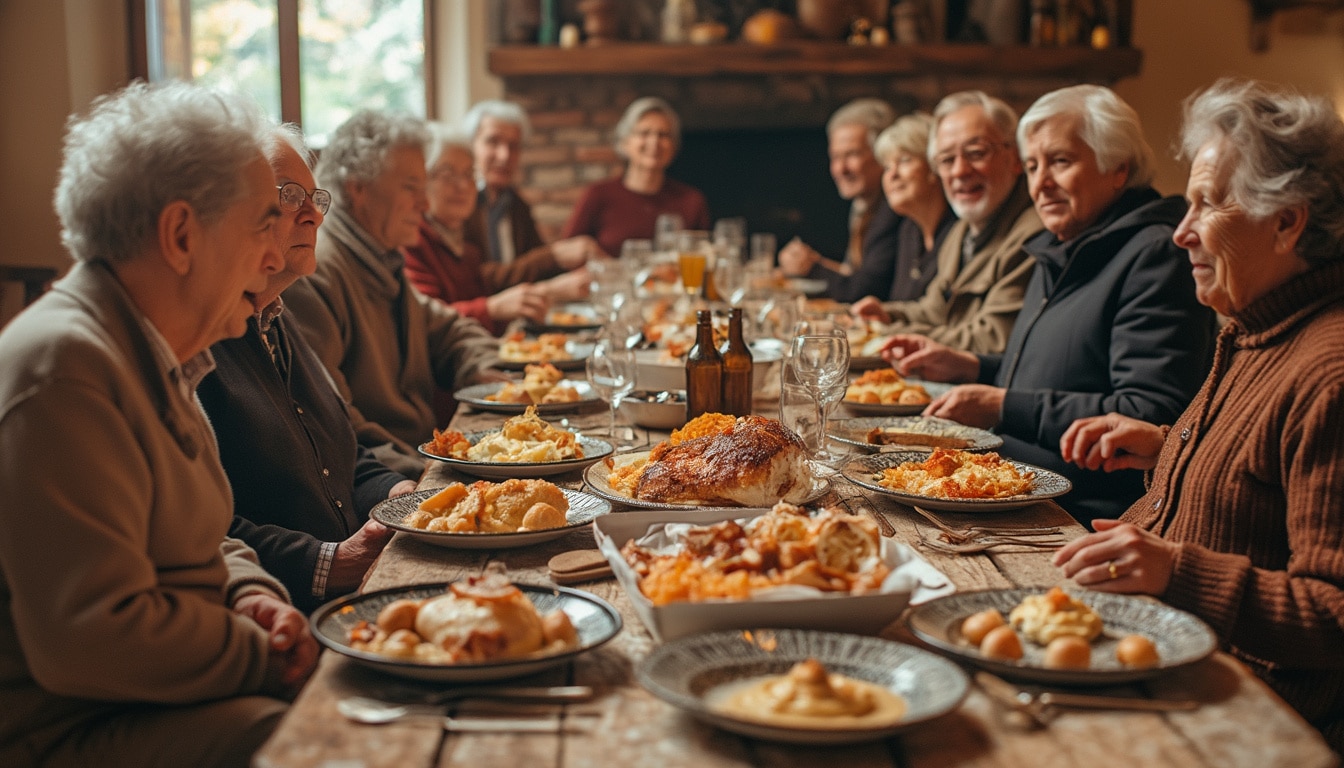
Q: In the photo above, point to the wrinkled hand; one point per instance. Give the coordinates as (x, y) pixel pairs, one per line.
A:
(796, 258)
(870, 308)
(975, 405)
(354, 556)
(522, 300)
(576, 251)
(571, 286)
(1143, 560)
(1111, 442)
(401, 489)
(293, 650)
(914, 355)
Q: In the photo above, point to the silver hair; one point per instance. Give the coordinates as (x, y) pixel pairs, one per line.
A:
(443, 138)
(1109, 127)
(1000, 114)
(144, 147)
(503, 111)
(1287, 149)
(639, 108)
(873, 114)
(359, 147)
(291, 135)
(910, 134)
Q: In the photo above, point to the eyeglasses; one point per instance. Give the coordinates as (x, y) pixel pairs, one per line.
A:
(292, 195)
(975, 153)
(451, 176)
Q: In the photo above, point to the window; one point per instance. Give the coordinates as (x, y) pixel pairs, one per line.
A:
(313, 62)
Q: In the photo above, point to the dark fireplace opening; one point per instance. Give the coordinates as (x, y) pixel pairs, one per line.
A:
(777, 179)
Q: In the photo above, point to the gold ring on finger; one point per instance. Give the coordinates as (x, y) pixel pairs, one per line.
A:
(1110, 567)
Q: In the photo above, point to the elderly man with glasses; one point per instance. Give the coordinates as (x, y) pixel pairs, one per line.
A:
(982, 267)
(302, 494)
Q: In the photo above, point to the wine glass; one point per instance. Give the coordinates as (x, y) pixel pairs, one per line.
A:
(819, 362)
(611, 285)
(728, 276)
(665, 229)
(611, 373)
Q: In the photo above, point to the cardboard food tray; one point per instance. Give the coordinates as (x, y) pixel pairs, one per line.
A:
(914, 581)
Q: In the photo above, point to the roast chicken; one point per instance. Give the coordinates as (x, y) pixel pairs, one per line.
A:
(753, 463)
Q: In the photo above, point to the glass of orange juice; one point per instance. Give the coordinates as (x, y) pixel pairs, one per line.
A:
(693, 249)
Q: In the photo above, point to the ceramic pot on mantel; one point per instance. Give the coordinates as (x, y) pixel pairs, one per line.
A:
(830, 19)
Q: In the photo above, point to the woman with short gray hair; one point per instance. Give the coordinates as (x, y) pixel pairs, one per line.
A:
(1242, 521)
(359, 149)
(626, 207)
(1107, 125)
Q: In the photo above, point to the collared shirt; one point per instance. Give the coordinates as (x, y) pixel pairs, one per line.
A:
(186, 375)
(498, 226)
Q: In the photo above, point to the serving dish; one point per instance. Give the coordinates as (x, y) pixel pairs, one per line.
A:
(476, 394)
(855, 432)
(913, 579)
(688, 673)
(594, 450)
(583, 509)
(595, 478)
(1181, 638)
(652, 409)
(595, 620)
(934, 388)
(651, 372)
(861, 472)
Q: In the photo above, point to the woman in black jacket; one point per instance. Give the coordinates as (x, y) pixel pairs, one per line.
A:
(1109, 321)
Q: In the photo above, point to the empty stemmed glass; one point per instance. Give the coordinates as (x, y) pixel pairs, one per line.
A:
(819, 364)
(611, 374)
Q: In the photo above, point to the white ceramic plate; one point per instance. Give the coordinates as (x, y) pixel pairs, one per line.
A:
(476, 395)
(595, 477)
(811, 286)
(578, 358)
(688, 673)
(855, 432)
(586, 314)
(595, 620)
(1181, 638)
(934, 388)
(594, 450)
(583, 509)
(862, 472)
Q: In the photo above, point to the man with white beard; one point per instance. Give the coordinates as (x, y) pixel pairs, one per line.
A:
(982, 268)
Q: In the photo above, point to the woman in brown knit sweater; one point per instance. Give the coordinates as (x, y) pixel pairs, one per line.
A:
(1243, 520)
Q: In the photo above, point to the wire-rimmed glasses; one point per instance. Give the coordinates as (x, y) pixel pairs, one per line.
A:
(292, 195)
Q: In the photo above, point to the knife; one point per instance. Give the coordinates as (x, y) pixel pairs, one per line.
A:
(1003, 691)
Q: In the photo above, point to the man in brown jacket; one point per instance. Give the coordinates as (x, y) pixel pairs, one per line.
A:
(982, 268)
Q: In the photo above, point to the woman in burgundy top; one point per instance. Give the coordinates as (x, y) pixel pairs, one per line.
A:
(618, 209)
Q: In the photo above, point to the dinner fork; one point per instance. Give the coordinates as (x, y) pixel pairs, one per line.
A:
(984, 544)
(966, 534)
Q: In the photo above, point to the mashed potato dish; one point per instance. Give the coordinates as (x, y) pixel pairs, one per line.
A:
(524, 438)
(811, 697)
(542, 383)
(1042, 618)
(955, 474)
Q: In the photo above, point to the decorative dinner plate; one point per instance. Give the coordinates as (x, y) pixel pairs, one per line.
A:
(855, 432)
(567, 317)
(595, 478)
(593, 450)
(583, 509)
(694, 673)
(934, 388)
(476, 395)
(862, 471)
(578, 358)
(1181, 638)
(595, 620)
(811, 286)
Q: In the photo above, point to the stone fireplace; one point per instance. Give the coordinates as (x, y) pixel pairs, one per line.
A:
(753, 117)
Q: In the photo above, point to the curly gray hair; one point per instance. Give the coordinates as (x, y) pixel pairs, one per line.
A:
(1289, 151)
(639, 108)
(146, 146)
(1000, 114)
(359, 148)
(1109, 127)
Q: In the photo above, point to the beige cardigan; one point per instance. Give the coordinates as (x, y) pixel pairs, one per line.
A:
(974, 309)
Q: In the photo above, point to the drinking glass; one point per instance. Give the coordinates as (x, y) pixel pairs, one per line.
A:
(820, 364)
(665, 229)
(731, 233)
(611, 373)
(763, 248)
(636, 254)
(729, 276)
(693, 259)
(611, 285)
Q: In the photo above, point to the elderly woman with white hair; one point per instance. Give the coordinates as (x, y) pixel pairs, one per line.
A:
(627, 206)
(133, 633)
(389, 347)
(1242, 523)
(1109, 321)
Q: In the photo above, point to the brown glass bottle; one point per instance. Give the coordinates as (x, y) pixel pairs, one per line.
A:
(704, 369)
(736, 399)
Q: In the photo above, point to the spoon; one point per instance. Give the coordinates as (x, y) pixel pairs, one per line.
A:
(556, 694)
(374, 712)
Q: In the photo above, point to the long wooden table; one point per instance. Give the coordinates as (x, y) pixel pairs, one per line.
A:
(1240, 721)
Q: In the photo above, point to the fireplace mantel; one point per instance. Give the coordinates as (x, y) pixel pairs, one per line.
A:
(815, 58)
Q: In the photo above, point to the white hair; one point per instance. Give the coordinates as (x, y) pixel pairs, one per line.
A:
(291, 135)
(997, 110)
(873, 114)
(1108, 126)
(503, 111)
(1287, 150)
(639, 108)
(443, 138)
(909, 134)
(359, 147)
(144, 147)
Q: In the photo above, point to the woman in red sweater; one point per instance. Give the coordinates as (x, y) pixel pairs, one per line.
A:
(627, 206)
(1243, 519)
